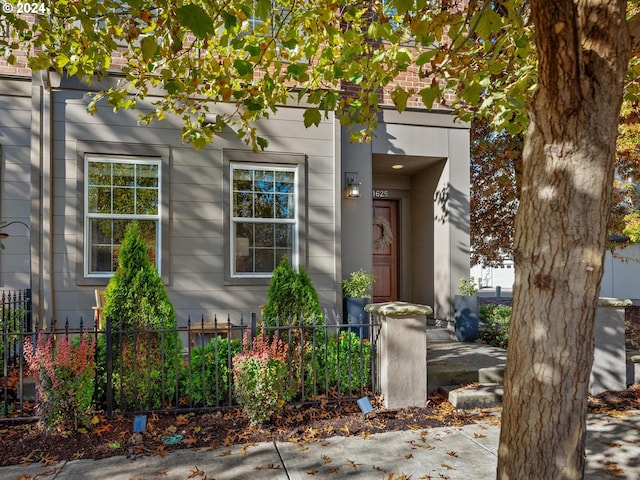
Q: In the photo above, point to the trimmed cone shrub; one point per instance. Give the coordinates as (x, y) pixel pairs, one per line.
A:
(147, 363)
(291, 298)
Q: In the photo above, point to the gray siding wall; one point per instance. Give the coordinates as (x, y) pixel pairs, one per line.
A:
(195, 280)
(15, 166)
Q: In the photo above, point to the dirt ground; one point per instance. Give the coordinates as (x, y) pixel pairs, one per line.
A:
(29, 443)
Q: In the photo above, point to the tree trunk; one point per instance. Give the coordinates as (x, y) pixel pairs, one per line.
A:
(583, 50)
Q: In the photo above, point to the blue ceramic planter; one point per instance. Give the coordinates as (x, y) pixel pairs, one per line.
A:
(357, 318)
(466, 317)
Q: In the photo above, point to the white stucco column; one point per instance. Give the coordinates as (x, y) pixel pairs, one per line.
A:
(402, 352)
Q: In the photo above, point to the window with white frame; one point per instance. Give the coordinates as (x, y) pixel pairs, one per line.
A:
(264, 218)
(119, 190)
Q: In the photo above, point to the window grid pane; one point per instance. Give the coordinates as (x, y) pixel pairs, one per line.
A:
(118, 192)
(106, 238)
(264, 222)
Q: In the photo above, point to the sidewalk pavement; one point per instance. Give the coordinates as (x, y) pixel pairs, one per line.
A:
(468, 452)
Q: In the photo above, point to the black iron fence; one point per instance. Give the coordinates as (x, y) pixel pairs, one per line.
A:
(15, 319)
(15, 316)
(190, 368)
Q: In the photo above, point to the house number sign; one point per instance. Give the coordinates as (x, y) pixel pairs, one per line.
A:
(380, 193)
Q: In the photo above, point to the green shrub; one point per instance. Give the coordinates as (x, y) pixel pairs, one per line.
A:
(147, 364)
(207, 380)
(496, 320)
(261, 377)
(291, 298)
(358, 285)
(467, 286)
(64, 369)
(344, 363)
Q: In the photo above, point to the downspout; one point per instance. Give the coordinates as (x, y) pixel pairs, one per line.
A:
(42, 199)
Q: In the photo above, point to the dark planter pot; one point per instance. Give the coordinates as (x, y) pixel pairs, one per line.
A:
(357, 318)
(466, 317)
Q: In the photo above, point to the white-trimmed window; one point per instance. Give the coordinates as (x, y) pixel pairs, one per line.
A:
(264, 218)
(118, 190)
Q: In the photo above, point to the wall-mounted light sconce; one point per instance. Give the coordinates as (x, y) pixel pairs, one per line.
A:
(352, 188)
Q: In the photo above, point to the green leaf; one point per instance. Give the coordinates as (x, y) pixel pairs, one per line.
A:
(40, 62)
(262, 143)
(297, 71)
(290, 44)
(403, 59)
(196, 19)
(253, 50)
(426, 56)
(62, 60)
(263, 8)
(357, 78)
(429, 95)
(230, 21)
(472, 93)
(400, 97)
(254, 104)
(243, 67)
(403, 6)
(488, 23)
(312, 117)
(171, 87)
(148, 46)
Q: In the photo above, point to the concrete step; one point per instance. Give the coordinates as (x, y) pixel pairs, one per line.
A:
(491, 374)
(455, 375)
(438, 334)
(477, 395)
(457, 363)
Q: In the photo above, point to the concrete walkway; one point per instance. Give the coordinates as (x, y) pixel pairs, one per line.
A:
(468, 452)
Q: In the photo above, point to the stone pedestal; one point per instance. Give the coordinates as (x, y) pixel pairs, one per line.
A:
(402, 352)
(609, 371)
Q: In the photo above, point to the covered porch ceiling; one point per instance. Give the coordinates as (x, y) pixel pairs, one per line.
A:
(385, 164)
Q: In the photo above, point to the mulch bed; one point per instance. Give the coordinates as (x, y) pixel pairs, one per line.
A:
(31, 443)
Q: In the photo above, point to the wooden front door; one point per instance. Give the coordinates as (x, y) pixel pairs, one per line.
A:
(385, 250)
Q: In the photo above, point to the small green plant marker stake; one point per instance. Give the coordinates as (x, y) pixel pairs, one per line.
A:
(365, 406)
(139, 423)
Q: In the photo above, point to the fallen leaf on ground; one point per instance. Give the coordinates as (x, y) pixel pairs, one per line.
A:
(196, 472)
(613, 469)
(48, 460)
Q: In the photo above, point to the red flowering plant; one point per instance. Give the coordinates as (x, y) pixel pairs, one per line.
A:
(261, 376)
(64, 369)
